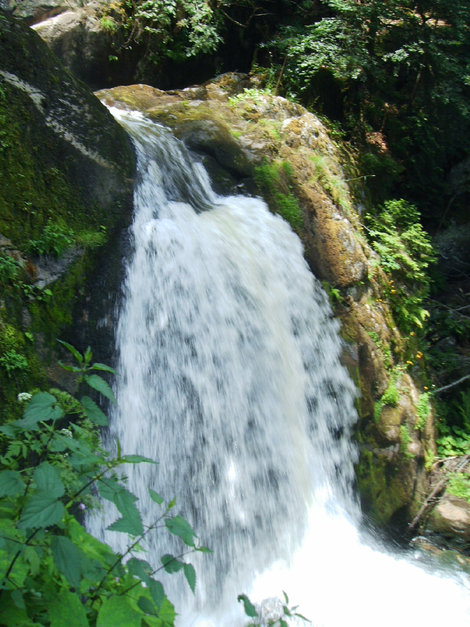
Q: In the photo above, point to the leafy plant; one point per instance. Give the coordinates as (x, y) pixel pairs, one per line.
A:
(12, 362)
(423, 409)
(51, 570)
(54, 240)
(405, 252)
(390, 397)
(9, 269)
(405, 439)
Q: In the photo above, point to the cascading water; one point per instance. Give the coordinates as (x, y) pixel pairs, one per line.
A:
(229, 376)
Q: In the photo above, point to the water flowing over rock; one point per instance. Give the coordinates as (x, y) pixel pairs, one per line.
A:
(230, 376)
(238, 132)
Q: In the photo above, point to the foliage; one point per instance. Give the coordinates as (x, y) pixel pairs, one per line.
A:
(390, 397)
(459, 485)
(52, 571)
(54, 240)
(395, 68)
(405, 252)
(423, 409)
(454, 427)
(9, 270)
(332, 181)
(275, 182)
(12, 362)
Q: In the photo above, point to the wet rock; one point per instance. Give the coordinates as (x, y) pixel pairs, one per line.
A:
(451, 517)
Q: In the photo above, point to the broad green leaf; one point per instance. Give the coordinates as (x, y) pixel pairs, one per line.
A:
(93, 412)
(41, 408)
(48, 480)
(178, 526)
(171, 564)
(131, 521)
(157, 592)
(203, 549)
(117, 612)
(66, 610)
(140, 569)
(73, 350)
(136, 459)
(42, 510)
(11, 483)
(102, 367)
(18, 599)
(167, 612)
(67, 558)
(190, 575)
(155, 497)
(248, 606)
(100, 385)
(147, 606)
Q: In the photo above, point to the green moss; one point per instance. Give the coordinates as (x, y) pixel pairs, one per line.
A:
(275, 181)
(405, 441)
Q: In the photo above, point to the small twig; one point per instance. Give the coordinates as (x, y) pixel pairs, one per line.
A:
(451, 385)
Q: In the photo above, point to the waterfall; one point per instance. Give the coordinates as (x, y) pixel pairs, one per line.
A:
(229, 376)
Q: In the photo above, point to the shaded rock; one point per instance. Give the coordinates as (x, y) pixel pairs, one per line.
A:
(451, 517)
(78, 38)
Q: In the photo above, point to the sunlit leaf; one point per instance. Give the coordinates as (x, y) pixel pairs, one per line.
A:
(117, 612)
(66, 610)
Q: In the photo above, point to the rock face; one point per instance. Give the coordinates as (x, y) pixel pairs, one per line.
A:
(251, 136)
(76, 35)
(66, 166)
(54, 124)
(451, 517)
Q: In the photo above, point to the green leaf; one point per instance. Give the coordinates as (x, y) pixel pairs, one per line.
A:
(11, 483)
(117, 612)
(147, 606)
(88, 355)
(31, 555)
(69, 368)
(140, 568)
(41, 408)
(178, 526)
(155, 497)
(136, 459)
(171, 564)
(73, 350)
(157, 592)
(66, 610)
(42, 510)
(248, 606)
(100, 385)
(131, 521)
(48, 480)
(67, 558)
(93, 412)
(167, 612)
(103, 367)
(203, 549)
(190, 575)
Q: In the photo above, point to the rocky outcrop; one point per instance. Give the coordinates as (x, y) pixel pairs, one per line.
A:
(66, 169)
(77, 36)
(251, 136)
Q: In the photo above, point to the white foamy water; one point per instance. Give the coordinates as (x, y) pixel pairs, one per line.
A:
(229, 377)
